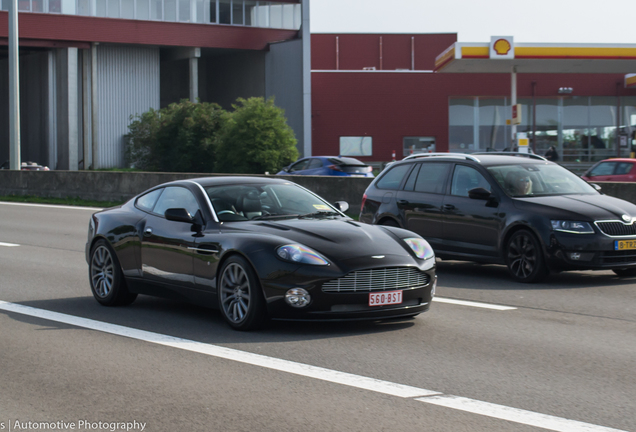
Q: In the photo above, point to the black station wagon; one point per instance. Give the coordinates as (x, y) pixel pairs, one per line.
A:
(523, 211)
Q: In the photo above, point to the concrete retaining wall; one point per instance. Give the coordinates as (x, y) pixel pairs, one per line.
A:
(120, 186)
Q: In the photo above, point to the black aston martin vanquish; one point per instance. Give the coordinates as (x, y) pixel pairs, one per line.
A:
(256, 248)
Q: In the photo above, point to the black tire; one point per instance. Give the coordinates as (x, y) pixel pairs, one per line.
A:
(240, 296)
(106, 278)
(389, 222)
(625, 272)
(524, 258)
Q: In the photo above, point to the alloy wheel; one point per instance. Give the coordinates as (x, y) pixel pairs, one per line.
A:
(235, 292)
(102, 271)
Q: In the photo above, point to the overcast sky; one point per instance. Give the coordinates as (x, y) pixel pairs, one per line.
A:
(549, 21)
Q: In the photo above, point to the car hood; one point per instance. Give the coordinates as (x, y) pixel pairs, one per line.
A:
(590, 207)
(336, 239)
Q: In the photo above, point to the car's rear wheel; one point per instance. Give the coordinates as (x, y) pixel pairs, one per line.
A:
(625, 272)
(106, 278)
(524, 258)
(240, 297)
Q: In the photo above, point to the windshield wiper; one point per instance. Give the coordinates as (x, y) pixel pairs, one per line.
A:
(319, 214)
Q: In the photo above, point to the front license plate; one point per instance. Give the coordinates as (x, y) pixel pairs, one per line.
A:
(385, 298)
(625, 244)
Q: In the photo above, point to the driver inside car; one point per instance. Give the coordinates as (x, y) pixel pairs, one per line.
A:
(518, 183)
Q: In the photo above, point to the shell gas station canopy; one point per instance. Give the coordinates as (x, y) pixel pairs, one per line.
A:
(502, 55)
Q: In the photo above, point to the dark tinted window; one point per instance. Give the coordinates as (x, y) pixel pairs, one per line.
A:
(314, 163)
(432, 177)
(177, 197)
(410, 182)
(466, 178)
(393, 178)
(147, 202)
(300, 165)
(624, 168)
(604, 168)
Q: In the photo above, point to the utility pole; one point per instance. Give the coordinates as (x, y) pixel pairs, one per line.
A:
(14, 88)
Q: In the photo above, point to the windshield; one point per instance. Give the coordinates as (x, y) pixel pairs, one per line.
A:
(272, 201)
(539, 180)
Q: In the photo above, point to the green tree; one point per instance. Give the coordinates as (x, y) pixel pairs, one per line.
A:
(255, 139)
(181, 137)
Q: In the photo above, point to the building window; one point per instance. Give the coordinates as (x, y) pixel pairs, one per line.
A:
(582, 128)
(412, 145)
(356, 146)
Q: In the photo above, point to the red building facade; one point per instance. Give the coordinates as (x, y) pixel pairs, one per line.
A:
(383, 90)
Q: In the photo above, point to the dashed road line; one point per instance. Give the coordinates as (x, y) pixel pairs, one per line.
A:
(50, 206)
(473, 304)
(9, 244)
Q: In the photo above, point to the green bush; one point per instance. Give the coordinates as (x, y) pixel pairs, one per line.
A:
(178, 138)
(255, 139)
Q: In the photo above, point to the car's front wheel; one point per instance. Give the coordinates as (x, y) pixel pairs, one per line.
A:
(240, 297)
(106, 278)
(524, 257)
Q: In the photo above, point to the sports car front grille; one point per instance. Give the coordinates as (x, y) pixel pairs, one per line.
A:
(617, 228)
(378, 280)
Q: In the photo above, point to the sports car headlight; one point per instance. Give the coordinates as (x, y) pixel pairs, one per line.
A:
(420, 248)
(573, 227)
(300, 254)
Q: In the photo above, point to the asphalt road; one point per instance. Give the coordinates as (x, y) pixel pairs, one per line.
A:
(561, 356)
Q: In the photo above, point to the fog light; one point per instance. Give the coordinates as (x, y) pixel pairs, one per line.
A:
(433, 288)
(297, 297)
(575, 256)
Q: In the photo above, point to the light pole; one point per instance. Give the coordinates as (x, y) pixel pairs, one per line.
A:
(14, 88)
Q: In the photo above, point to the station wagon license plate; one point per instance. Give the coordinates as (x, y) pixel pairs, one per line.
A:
(385, 298)
(625, 245)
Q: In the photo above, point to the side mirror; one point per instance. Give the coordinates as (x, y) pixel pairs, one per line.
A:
(343, 206)
(595, 186)
(479, 193)
(178, 215)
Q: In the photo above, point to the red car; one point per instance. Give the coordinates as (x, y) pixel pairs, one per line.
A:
(612, 170)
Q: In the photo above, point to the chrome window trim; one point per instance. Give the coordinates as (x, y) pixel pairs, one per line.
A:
(207, 199)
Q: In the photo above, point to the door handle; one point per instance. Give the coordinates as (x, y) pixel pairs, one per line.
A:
(448, 207)
(402, 202)
(148, 232)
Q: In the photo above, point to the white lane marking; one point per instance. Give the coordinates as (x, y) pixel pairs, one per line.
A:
(51, 206)
(8, 244)
(473, 304)
(429, 396)
(513, 414)
(226, 353)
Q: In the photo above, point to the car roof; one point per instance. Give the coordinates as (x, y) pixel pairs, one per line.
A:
(233, 180)
(618, 160)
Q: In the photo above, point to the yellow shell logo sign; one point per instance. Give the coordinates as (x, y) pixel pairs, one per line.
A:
(502, 47)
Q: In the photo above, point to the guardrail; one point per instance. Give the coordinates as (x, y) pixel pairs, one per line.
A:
(121, 186)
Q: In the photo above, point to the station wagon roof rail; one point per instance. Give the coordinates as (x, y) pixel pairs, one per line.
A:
(502, 153)
(452, 155)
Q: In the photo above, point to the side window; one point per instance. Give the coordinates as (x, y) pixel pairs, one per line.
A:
(410, 183)
(301, 165)
(176, 197)
(393, 178)
(605, 168)
(623, 168)
(466, 178)
(147, 202)
(314, 163)
(432, 177)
